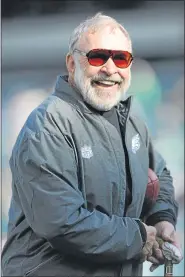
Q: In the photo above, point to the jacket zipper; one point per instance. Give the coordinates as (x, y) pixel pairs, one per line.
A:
(126, 157)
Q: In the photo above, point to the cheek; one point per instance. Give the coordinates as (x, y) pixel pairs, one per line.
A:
(84, 64)
(125, 73)
(89, 70)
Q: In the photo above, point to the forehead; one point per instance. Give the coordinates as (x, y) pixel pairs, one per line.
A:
(106, 38)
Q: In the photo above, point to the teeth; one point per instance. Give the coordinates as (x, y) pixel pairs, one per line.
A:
(107, 82)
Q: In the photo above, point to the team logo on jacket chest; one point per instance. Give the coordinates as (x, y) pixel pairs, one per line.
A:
(135, 143)
(87, 152)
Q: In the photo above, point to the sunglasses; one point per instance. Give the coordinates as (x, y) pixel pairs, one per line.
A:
(98, 57)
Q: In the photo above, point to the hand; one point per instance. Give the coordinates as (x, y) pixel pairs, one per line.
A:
(150, 241)
(157, 257)
(165, 231)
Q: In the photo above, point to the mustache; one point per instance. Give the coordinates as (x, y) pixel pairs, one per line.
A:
(107, 78)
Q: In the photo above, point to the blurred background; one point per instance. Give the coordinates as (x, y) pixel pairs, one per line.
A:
(35, 38)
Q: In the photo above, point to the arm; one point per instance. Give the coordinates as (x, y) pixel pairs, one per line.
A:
(163, 214)
(55, 208)
(166, 207)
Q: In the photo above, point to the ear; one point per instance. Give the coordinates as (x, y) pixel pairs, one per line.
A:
(70, 64)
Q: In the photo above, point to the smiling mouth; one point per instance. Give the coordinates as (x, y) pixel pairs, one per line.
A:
(105, 83)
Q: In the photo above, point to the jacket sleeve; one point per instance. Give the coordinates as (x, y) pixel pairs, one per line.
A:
(166, 203)
(48, 186)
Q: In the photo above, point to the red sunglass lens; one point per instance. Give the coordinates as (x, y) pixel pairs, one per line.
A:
(96, 61)
(121, 63)
(98, 57)
(122, 59)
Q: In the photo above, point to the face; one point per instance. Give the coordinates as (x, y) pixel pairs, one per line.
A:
(102, 87)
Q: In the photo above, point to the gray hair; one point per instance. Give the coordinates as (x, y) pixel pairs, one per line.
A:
(90, 23)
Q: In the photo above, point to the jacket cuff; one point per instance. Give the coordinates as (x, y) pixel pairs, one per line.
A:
(161, 216)
(142, 230)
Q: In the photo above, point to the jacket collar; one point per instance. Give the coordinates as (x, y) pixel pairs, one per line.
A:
(66, 92)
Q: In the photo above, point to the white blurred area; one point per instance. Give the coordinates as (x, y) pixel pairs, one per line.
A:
(19, 108)
(157, 84)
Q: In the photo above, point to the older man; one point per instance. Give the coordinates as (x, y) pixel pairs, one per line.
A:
(80, 171)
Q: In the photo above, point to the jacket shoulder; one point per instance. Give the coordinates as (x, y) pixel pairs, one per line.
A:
(50, 116)
(53, 116)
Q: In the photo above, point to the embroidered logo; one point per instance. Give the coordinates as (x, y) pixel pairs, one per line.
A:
(135, 143)
(87, 152)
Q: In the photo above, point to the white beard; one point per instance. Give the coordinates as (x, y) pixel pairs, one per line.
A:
(100, 99)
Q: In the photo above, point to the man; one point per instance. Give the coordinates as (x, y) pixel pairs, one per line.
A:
(80, 171)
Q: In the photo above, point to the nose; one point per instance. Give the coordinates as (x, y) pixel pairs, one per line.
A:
(109, 67)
